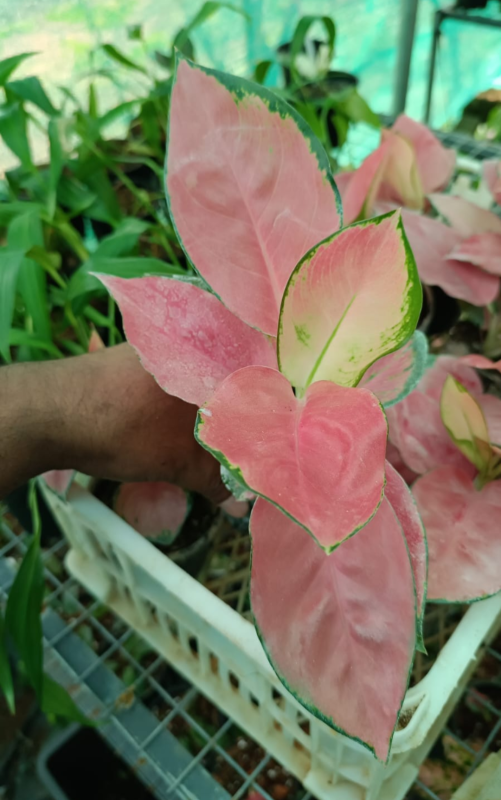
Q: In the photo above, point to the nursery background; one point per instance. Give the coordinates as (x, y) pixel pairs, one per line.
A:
(129, 662)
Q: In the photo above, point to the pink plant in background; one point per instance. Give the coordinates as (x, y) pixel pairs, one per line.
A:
(156, 510)
(448, 431)
(276, 357)
(409, 164)
(492, 177)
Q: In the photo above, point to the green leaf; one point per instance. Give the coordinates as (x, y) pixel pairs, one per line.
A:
(120, 58)
(25, 232)
(21, 338)
(8, 65)
(135, 33)
(261, 71)
(72, 194)
(10, 265)
(24, 605)
(93, 106)
(14, 132)
(31, 90)
(56, 702)
(203, 14)
(83, 282)
(6, 682)
(56, 164)
(355, 108)
(150, 124)
(341, 124)
(308, 113)
(10, 210)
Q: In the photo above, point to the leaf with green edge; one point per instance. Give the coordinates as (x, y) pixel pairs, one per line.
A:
(6, 680)
(114, 53)
(13, 131)
(249, 188)
(156, 509)
(25, 232)
(396, 375)
(299, 37)
(31, 90)
(339, 630)
(24, 605)
(10, 266)
(319, 458)
(465, 423)
(57, 703)
(8, 65)
(354, 298)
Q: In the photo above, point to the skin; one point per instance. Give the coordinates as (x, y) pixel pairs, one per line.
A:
(101, 414)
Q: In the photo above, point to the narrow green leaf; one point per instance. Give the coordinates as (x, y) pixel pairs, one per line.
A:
(10, 210)
(6, 682)
(21, 338)
(56, 164)
(203, 14)
(83, 281)
(56, 702)
(25, 232)
(10, 265)
(355, 108)
(24, 605)
(120, 58)
(93, 106)
(32, 91)
(135, 33)
(261, 71)
(72, 194)
(8, 65)
(13, 131)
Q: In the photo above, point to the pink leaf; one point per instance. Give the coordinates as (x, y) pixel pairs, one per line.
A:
(435, 163)
(339, 630)
(249, 188)
(480, 362)
(432, 243)
(462, 527)
(402, 502)
(467, 218)
(320, 458)
(351, 300)
(415, 425)
(401, 182)
(185, 336)
(155, 510)
(59, 480)
(492, 176)
(394, 376)
(491, 407)
(360, 188)
(394, 456)
(483, 250)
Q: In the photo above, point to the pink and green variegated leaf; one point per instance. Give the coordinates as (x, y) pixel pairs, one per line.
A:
(156, 510)
(435, 163)
(248, 186)
(403, 504)
(396, 375)
(319, 458)
(432, 243)
(339, 630)
(59, 480)
(354, 298)
(462, 527)
(467, 218)
(185, 337)
(401, 182)
(492, 176)
(465, 423)
(415, 425)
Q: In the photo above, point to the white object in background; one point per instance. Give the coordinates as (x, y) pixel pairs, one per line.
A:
(220, 653)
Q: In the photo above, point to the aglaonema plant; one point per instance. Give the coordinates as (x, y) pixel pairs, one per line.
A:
(279, 342)
(449, 431)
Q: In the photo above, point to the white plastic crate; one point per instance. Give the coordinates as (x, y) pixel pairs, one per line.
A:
(220, 653)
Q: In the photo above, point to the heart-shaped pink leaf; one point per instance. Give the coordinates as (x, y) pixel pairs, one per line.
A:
(339, 630)
(402, 502)
(462, 527)
(156, 510)
(319, 458)
(432, 243)
(351, 300)
(248, 186)
(492, 177)
(435, 163)
(184, 335)
(396, 375)
(483, 250)
(467, 218)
